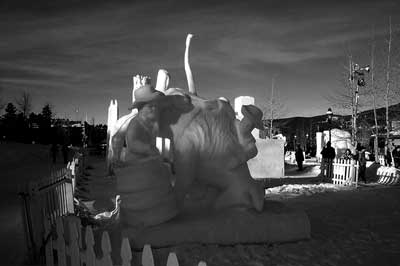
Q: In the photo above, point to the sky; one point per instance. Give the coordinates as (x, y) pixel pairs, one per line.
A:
(78, 55)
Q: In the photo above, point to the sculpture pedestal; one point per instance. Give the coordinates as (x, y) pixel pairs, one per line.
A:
(276, 223)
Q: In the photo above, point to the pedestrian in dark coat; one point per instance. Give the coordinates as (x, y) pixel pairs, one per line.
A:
(396, 156)
(362, 161)
(299, 157)
(328, 152)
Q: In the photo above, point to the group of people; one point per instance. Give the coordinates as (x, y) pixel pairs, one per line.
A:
(328, 154)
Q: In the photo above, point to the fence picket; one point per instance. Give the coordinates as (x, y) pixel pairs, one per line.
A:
(106, 248)
(90, 256)
(73, 243)
(126, 252)
(60, 243)
(49, 244)
(147, 256)
(172, 260)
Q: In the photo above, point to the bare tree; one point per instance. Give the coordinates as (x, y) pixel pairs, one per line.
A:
(388, 84)
(24, 103)
(374, 95)
(2, 102)
(274, 108)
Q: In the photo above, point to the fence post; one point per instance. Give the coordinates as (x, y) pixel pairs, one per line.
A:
(147, 256)
(126, 252)
(106, 248)
(61, 256)
(73, 243)
(49, 258)
(172, 260)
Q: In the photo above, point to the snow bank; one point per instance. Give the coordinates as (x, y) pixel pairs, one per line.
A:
(295, 190)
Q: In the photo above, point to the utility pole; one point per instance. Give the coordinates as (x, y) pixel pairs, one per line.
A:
(356, 73)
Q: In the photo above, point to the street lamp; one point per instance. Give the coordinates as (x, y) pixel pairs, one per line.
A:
(357, 73)
(329, 113)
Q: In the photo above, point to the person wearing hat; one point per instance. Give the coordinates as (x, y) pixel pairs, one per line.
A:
(143, 129)
(144, 182)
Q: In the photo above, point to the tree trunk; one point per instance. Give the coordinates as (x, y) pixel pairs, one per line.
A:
(374, 99)
(388, 85)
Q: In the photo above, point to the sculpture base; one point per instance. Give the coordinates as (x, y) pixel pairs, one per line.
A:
(276, 223)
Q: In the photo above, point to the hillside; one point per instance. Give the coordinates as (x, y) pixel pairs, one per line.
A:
(303, 126)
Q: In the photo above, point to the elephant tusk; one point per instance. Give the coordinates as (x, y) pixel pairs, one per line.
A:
(188, 71)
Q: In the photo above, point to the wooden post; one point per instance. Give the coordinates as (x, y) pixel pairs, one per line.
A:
(60, 243)
(90, 258)
(172, 260)
(147, 256)
(49, 258)
(126, 252)
(106, 248)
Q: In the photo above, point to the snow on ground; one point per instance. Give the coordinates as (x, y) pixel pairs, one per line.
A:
(20, 163)
(348, 226)
(294, 190)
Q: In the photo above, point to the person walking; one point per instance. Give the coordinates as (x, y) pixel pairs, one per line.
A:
(299, 157)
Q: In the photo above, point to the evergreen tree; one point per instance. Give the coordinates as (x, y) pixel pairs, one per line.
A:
(45, 124)
(10, 121)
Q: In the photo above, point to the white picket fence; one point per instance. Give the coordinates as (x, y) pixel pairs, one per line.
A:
(66, 245)
(46, 200)
(342, 172)
(345, 172)
(381, 159)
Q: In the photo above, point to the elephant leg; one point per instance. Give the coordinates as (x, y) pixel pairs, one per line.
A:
(185, 169)
(246, 194)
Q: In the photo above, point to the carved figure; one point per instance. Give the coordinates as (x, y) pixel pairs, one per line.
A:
(210, 147)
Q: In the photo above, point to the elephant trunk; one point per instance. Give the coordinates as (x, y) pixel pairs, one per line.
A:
(188, 71)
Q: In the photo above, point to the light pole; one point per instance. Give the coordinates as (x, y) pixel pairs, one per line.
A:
(357, 73)
(329, 113)
(306, 146)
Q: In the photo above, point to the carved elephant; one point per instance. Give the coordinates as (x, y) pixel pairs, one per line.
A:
(211, 147)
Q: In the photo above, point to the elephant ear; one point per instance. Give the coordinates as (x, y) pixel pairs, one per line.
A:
(254, 115)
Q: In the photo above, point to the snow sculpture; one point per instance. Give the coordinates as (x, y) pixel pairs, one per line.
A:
(117, 128)
(111, 121)
(210, 149)
(340, 139)
(144, 181)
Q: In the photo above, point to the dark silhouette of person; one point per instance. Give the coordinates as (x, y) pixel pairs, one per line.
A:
(328, 154)
(54, 151)
(65, 152)
(396, 156)
(299, 157)
(362, 161)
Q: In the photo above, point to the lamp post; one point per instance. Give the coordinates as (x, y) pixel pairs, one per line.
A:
(306, 146)
(329, 113)
(357, 73)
